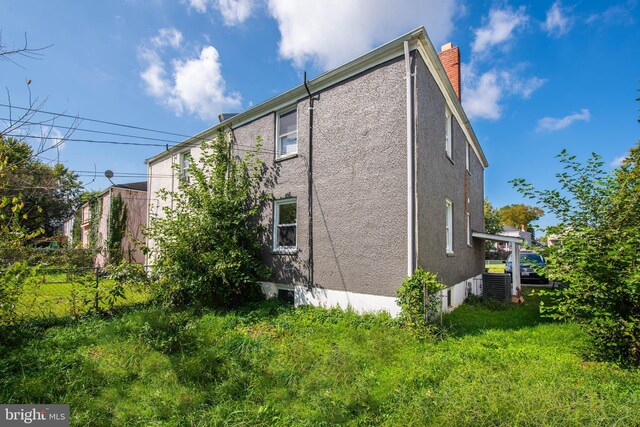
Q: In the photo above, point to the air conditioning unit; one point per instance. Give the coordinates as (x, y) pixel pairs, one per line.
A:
(496, 286)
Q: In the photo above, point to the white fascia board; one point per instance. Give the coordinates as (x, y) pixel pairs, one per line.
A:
(430, 57)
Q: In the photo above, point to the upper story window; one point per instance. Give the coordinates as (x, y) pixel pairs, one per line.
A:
(185, 162)
(287, 129)
(284, 225)
(467, 159)
(449, 225)
(447, 132)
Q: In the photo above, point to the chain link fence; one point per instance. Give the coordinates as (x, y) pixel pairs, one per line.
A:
(47, 282)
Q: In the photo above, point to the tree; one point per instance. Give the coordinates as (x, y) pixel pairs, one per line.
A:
(520, 214)
(117, 228)
(207, 247)
(48, 194)
(492, 222)
(598, 257)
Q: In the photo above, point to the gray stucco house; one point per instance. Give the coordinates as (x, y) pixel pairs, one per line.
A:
(378, 171)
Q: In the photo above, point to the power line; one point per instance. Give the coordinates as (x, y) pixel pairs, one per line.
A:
(95, 120)
(92, 141)
(99, 131)
(61, 140)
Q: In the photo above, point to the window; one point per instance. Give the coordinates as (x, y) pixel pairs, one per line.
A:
(449, 225)
(287, 143)
(447, 130)
(467, 157)
(185, 161)
(468, 229)
(284, 225)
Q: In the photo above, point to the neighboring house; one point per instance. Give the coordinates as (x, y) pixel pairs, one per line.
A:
(514, 232)
(392, 168)
(134, 197)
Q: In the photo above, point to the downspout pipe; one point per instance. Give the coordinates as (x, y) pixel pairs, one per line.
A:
(310, 181)
(411, 251)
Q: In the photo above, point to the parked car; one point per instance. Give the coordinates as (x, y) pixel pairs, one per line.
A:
(530, 265)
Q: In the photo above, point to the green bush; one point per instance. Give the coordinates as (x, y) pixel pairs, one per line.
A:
(12, 282)
(598, 257)
(420, 301)
(207, 246)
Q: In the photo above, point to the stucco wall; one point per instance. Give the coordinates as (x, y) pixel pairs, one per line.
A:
(359, 163)
(360, 189)
(439, 178)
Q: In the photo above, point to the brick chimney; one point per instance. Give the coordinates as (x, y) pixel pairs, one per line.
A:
(450, 58)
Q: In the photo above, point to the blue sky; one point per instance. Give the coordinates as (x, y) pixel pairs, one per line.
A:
(537, 77)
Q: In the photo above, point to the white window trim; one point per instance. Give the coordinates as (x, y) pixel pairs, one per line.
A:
(278, 136)
(276, 214)
(448, 226)
(469, 240)
(467, 158)
(184, 173)
(448, 132)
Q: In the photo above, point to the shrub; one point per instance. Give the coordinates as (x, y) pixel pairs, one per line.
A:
(207, 247)
(12, 282)
(598, 257)
(420, 301)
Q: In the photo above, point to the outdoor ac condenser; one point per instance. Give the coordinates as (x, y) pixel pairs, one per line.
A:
(496, 286)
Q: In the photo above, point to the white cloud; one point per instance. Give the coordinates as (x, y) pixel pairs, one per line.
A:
(620, 14)
(484, 93)
(195, 86)
(233, 12)
(331, 32)
(557, 22)
(499, 29)
(553, 123)
(200, 88)
(617, 162)
(167, 37)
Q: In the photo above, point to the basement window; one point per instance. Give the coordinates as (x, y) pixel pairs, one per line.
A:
(284, 225)
(287, 131)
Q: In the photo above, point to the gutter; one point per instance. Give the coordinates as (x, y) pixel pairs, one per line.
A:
(310, 180)
(411, 251)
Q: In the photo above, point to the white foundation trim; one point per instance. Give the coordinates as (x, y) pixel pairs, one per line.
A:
(360, 303)
(366, 303)
(460, 291)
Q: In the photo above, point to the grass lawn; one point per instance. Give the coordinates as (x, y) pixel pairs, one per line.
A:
(270, 364)
(56, 295)
(494, 268)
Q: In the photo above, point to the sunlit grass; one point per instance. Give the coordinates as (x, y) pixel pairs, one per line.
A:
(270, 364)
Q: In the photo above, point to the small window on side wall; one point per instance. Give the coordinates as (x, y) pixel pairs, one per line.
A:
(447, 130)
(449, 226)
(284, 225)
(467, 158)
(185, 162)
(287, 141)
(469, 240)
